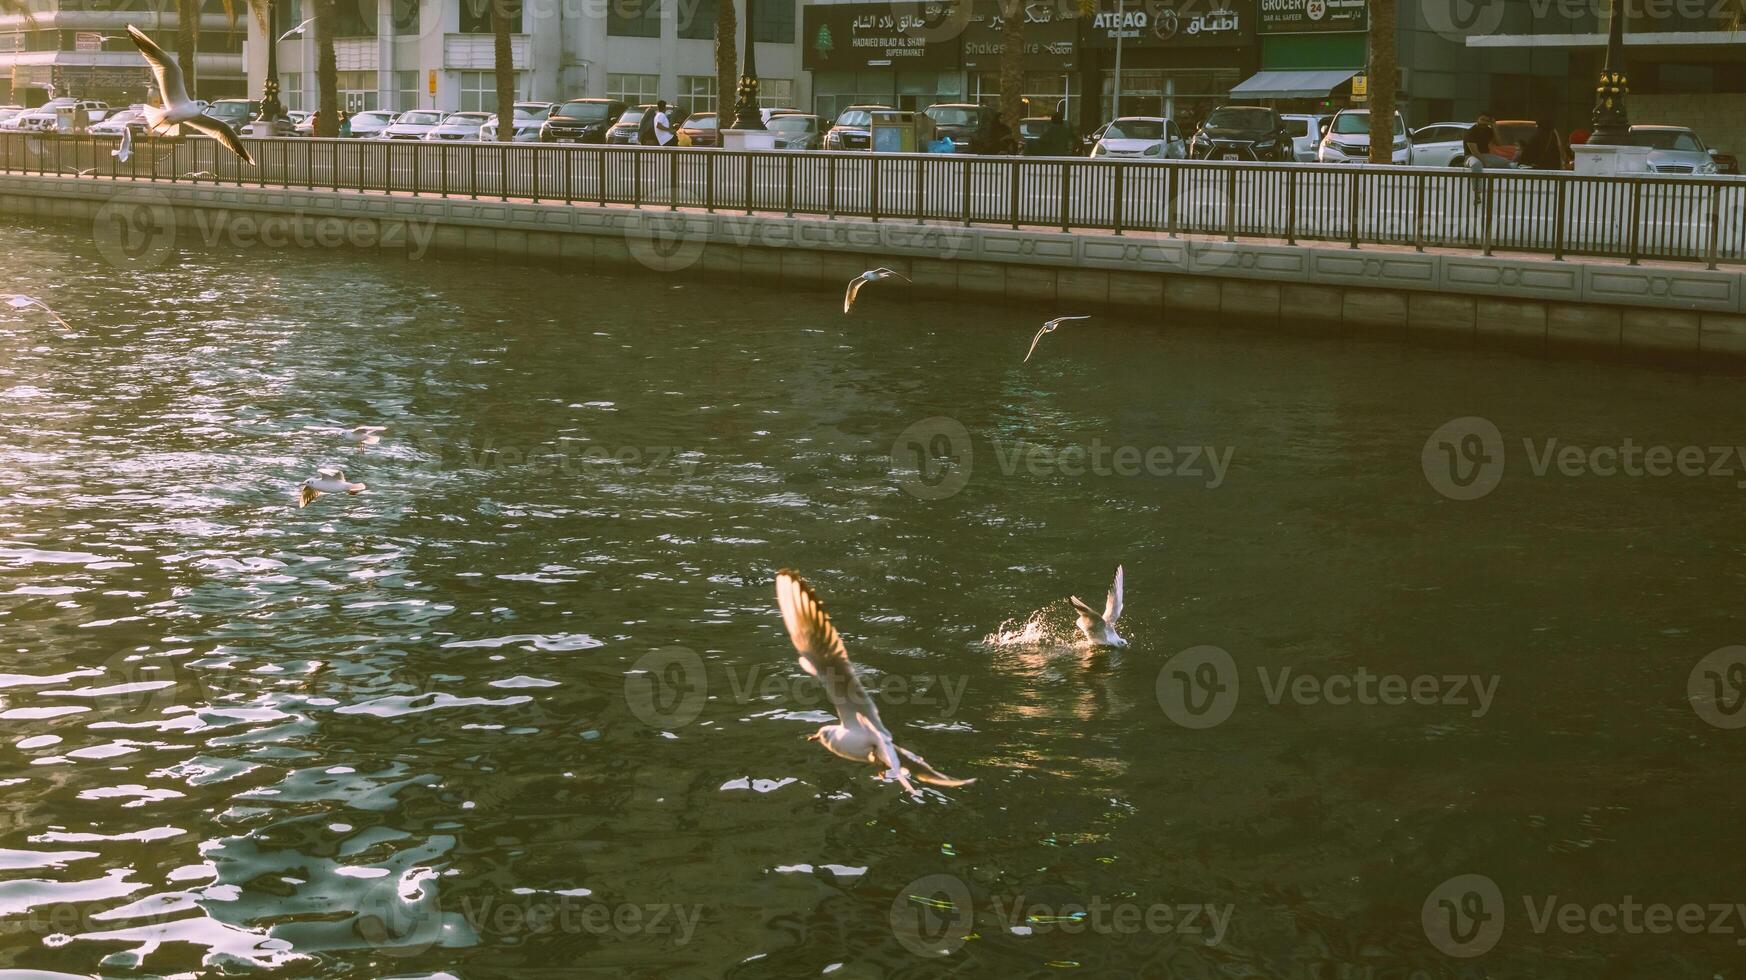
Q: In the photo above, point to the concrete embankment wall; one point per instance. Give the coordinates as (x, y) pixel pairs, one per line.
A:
(1663, 312)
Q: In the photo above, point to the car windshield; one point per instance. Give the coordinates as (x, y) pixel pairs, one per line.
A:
(125, 115)
(1244, 118)
(855, 117)
(631, 117)
(420, 119)
(228, 110)
(952, 116)
(1358, 124)
(468, 119)
(1135, 129)
(585, 111)
(532, 111)
(703, 120)
(377, 116)
(791, 124)
(1299, 127)
(1668, 139)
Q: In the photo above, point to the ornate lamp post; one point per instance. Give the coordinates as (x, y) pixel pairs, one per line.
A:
(272, 110)
(1612, 126)
(746, 115)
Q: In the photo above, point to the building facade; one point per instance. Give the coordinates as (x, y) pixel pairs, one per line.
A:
(80, 48)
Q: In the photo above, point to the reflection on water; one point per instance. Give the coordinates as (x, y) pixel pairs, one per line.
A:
(526, 701)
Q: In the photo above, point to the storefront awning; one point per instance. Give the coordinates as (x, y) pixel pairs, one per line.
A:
(1293, 84)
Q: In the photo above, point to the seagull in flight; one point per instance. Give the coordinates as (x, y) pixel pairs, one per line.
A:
(79, 173)
(326, 481)
(177, 106)
(858, 735)
(19, 301)
(125, 151)
(871, 275)
(1048, 328)
(296, 30)
(1099, 628)
(201, 173)
(364, 435)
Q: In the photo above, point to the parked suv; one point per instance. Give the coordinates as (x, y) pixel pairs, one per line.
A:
(1242, 132)
(1306, 134)
(43, 117)
(958, 122)
(581, 121)
(1348, 139)
(850, 131)
(625, 130)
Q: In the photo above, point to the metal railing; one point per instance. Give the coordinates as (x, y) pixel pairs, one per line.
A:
(1681, 218)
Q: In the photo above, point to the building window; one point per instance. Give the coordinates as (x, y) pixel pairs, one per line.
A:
(633, 89)
(697, 20)
(476, 16)
(775, 93)
(406, 90)
(696, 93)
(291, 90)
(633, 18)
(479, 90)
(774, 22)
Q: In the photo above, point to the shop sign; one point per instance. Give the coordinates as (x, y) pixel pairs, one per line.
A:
(1174, 23)
(1314, 16)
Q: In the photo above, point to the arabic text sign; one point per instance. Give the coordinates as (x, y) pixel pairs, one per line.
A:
(1314, 16)
(1175, 23)
(851, 37)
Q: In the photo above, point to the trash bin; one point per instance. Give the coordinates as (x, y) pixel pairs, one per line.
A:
(900, 131)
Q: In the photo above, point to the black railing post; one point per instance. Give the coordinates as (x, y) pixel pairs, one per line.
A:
(600, 175)
(831, 186)
(1291, 206)
(709, 182)
(1418, 212)
(746, 188)
(673, 179)
(1230, 204)
(1489, 214)
(533, 154)
(309, 164)
(1352, 209)
(472, 170)
(1116, 214)
(503, 169)
(1012, 167)
(920, 189)
(1715, 224)
(1636, 217)
(1558, 213)
(873, 197)
(965, 167)
(789, 157)
(1172, 182)
(1066, 194)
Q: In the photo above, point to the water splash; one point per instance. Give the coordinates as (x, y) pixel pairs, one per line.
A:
(1048, 626)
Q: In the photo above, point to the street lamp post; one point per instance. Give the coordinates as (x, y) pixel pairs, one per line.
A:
(746, 115)
(272, 110)
(1612, 125)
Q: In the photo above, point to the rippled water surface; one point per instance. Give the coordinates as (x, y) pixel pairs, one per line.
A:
(526, 703)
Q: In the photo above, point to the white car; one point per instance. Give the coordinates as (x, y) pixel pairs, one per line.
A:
(413, 124)
(1136, 137)
(1675, 150)
(370, 123)
(529, 118)
(1444, 144)
(1348, 139)
(43, 118)
(458, 126)
(1306, 134)
(8, 113)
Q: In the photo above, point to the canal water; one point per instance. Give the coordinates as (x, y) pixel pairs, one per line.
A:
(1412, 688)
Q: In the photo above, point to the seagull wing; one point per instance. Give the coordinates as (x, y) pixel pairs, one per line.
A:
(887, 750)
(1085, 610)
(928, 774)
(1063, 319)
(823, 656)
(1112, 606)
(1035, 341)
(306, 494)
(855, 285)
(221, 132)
(171, 89)
(125, 150)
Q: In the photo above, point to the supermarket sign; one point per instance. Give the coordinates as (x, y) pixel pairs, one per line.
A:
(1313, 16)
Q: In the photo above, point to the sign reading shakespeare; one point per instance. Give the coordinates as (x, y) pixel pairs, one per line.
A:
(1051, 36)
(1175, 23)
(849, 37)
(1314, 16)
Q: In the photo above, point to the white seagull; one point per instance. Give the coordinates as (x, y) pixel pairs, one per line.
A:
(1048, 328)
(858, 735)
(19, 301)
(296, 30)
(364, 435)
(79, 173)
(1099, 628)
(177, 106)
(125, 151)
(326, 481)
(198, 174)
(871, 275)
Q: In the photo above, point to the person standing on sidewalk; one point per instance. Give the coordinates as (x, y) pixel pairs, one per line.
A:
(663, 127)
(1477, 144)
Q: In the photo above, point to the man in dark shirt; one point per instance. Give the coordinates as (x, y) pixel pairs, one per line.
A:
(1479, 137)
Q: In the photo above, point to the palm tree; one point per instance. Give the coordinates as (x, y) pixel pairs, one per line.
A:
(1012, 63)
(505, 20)
(1383, 75)
(727, 65)
(187, 39)
(326, 69)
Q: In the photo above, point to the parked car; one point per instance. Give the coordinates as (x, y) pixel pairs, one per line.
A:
(235, 113)
(371, 123)
(528, 117)
(1242, 132)
(1348, 139)
(850, 131)
(1306, 134)
(624, 132)
(1726, 163)
(581, 121)
(1134, 137)
(1512, 135)
(957, 121)
(1675, 150)
(8, 113)
(767, 113)
(297, 118)
(796, 131)
(413, 124)
(1444, 144)
(458, 126)
(44, 118)
(700, 129)
(118, 121)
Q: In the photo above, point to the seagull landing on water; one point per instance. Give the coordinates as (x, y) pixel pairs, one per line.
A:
(1099, 628)
(858, 735)
(326, 481)
(1048, 328)
(124, 152)
(19, 301)
(871, 275)
(293, 32)
(364, 435)
(177, 106)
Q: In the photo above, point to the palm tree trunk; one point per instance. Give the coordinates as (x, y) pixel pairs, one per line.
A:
(326, 69)
(1012, 64)
(188, 41)
(505, 20)
(1383, 75)
(727, 64)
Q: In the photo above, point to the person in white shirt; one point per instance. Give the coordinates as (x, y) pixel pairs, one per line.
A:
(663, 128)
